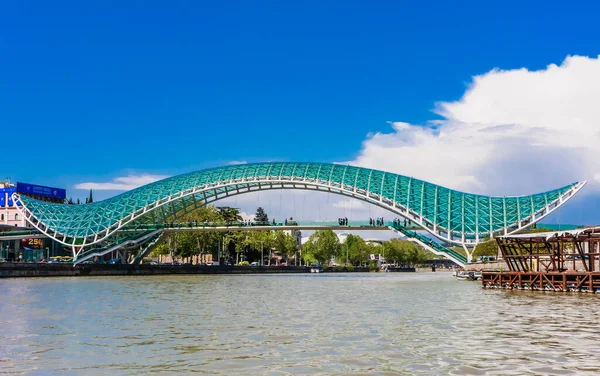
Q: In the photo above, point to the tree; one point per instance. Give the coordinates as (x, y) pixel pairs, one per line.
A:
(203, 242)
(237, 242)
(488, 247)
(321, 246)
(357, 250)
(291, 247)
(397, 250)
(90, 199)
(405, 252)
(229, 214)
(417, 255)
(262, 241)
(172, 240)
(160, 250)
(285, 244)
(261, 216)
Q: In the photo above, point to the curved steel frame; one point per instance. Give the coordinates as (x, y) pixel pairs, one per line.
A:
(182, 200)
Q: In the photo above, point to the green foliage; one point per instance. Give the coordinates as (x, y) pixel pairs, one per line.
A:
(229, 214)
(260, 215)
(195, 243)
(358, 250)
(321, 246)
(284, 243)
(404, 252)
(489, 247)
(308, 258)
(535, 230)
(486, 248)
(161, 249)
(324, 244)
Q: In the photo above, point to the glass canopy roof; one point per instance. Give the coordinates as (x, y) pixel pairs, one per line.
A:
(446, 213)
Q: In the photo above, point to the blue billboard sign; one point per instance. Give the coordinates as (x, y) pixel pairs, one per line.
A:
(6, 197)
(31, 189)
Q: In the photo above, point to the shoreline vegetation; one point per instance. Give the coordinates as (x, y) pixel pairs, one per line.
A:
(276, 247)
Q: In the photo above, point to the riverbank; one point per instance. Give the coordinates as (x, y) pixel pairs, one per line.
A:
(18, 270)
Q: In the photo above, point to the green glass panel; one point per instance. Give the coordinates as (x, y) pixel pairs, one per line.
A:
(457, 212)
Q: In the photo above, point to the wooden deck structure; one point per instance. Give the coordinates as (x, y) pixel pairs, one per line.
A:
(549, 261)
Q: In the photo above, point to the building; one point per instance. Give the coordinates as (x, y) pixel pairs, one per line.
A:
(297, 234)
(9, 215)
(35, 248)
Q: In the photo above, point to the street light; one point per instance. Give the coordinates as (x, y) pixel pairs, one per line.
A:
(346, 251)
(261, 253)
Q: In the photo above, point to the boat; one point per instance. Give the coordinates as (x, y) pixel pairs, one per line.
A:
(468, 276)
(316, 268)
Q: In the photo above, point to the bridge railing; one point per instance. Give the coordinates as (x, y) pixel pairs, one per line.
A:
(199, 224)
(18, 233)
(429, 242)
(109, 246)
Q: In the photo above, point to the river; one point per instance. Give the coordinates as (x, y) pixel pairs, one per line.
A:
(371, 323)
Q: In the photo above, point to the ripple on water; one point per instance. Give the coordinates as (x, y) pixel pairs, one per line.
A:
(423, 323)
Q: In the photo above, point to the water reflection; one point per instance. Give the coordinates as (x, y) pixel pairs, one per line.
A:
(424, 323)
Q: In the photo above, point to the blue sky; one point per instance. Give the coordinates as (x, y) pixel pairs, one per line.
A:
(93, 91)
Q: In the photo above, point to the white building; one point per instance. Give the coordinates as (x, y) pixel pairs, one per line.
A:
(297, 234)
(9, 216)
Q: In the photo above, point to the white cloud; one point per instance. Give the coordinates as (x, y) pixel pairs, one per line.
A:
(512, 132)
(237, 162)
(122, 183)
(245, 216)
(350, 204)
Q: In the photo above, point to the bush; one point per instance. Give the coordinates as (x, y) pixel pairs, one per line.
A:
(373, 266)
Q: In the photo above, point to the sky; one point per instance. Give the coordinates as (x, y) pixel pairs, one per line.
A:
(494, 98)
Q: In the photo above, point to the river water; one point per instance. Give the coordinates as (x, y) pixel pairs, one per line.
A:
(372, 323)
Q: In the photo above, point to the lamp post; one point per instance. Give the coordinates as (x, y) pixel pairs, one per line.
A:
(261, 253)
(346, 252)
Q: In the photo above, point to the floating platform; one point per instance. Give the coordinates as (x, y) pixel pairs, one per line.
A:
(543, 281)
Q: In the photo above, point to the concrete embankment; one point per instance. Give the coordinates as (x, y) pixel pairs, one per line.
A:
(363, 269)
(494, 266)
(15, 270)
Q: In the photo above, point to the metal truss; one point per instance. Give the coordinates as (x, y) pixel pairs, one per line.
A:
(451, 216)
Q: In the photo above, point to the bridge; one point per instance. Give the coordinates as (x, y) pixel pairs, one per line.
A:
(142, 238)
(452, 217)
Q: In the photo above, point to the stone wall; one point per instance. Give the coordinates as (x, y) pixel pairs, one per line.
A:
(14, 270)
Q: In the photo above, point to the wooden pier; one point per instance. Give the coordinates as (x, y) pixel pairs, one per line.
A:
(543, 281)
(549, 261)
